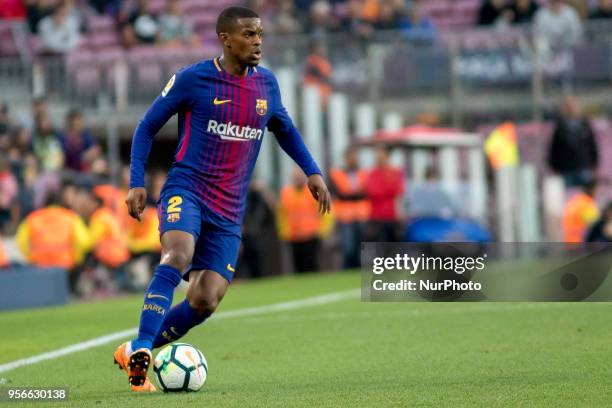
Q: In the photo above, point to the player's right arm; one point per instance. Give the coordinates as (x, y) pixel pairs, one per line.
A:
(175, 97)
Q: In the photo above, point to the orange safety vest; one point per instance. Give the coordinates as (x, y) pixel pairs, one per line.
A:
(109, 241)
(301, 213)
(3, 255)
(370, 10)
(580, 212)
(318, 73)
(144, 236)
(348, 211)
(52, 237)
(112, 197)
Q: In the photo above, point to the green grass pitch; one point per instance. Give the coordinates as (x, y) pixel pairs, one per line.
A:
(347, 353)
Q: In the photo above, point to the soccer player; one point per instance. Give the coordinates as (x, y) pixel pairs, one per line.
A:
(223, 106)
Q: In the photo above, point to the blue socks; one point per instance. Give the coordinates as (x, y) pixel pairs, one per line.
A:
(158, 298)
(177, 323)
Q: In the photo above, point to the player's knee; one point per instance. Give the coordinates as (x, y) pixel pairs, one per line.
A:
(205, 304)
(176, 257)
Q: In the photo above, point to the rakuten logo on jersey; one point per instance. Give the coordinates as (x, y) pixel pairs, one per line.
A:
(229, 131)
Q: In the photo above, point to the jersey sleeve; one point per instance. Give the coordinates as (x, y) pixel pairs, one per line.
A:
(288, 137)
(175, 97)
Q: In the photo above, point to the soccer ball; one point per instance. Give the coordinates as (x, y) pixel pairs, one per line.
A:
(180, 367)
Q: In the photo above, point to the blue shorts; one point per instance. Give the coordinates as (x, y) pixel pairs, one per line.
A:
(217, 238)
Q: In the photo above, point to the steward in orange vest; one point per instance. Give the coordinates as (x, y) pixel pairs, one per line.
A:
(351, 208)
(143, 236)
(108, 237)
(300, 223)
(579, 213)
(53, 237)
(317, 72)
(3, 256)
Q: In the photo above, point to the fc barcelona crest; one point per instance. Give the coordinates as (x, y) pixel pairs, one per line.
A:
(261, 107)
(173, 217)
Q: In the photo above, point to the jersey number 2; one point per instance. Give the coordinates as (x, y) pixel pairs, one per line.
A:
(173, 204)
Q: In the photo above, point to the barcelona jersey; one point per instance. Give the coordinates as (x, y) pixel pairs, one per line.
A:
(222, 118)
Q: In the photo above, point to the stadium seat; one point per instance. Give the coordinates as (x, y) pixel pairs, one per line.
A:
(99, 24)
(104, 40)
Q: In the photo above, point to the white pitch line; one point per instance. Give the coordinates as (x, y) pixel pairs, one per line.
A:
(249, 311)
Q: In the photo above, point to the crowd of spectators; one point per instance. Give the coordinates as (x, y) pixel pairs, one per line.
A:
(359, 17)
(552, 19)
(61, 24)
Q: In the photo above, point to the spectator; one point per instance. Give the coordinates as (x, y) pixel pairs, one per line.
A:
(106, 6)
(27, 178)
(80, 150)
(8, 194)
(370, 10)
(68, 195)
(581, 7)
(5, 129)
(429, 199)
(321, 18)
(603, 10)
(21, 144)
(259, 214)
(558, 24)
(417, 27)
(174, 29)
(505, 19)
(285, 21)
(59, 32)
(573, 152)
(54, 237)
(351, 208)
(299, 222)
(38, 108)
(140, 26)
(12, 10)
(579, 213)
(47, 145)
(524, 11)
(37, 10)
(318, 70)
(388, 19)
(384, 188)
(354, 22)
(601, 230)
(4, 260)
(108, 237)
(490, 10)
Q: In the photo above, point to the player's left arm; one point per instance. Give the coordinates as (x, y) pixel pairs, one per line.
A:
(291, 142)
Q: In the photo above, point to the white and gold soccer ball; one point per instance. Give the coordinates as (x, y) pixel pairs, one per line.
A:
(180, 367)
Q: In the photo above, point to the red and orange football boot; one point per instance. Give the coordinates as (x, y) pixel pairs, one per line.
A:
(136, 365)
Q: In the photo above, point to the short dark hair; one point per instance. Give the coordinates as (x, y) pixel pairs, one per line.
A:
(228, 17)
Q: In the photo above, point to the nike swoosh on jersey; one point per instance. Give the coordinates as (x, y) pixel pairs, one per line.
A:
(229, 268)
(152, 296)
(221, 102)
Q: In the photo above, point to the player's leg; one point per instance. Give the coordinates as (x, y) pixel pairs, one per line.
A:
(212, 270)
(205, 291)
(135, 356)
(177, 251)
(180, 223)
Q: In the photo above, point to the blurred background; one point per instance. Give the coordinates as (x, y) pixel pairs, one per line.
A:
(433, 120)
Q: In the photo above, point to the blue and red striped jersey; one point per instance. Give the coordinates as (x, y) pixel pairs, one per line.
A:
(221, 119)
